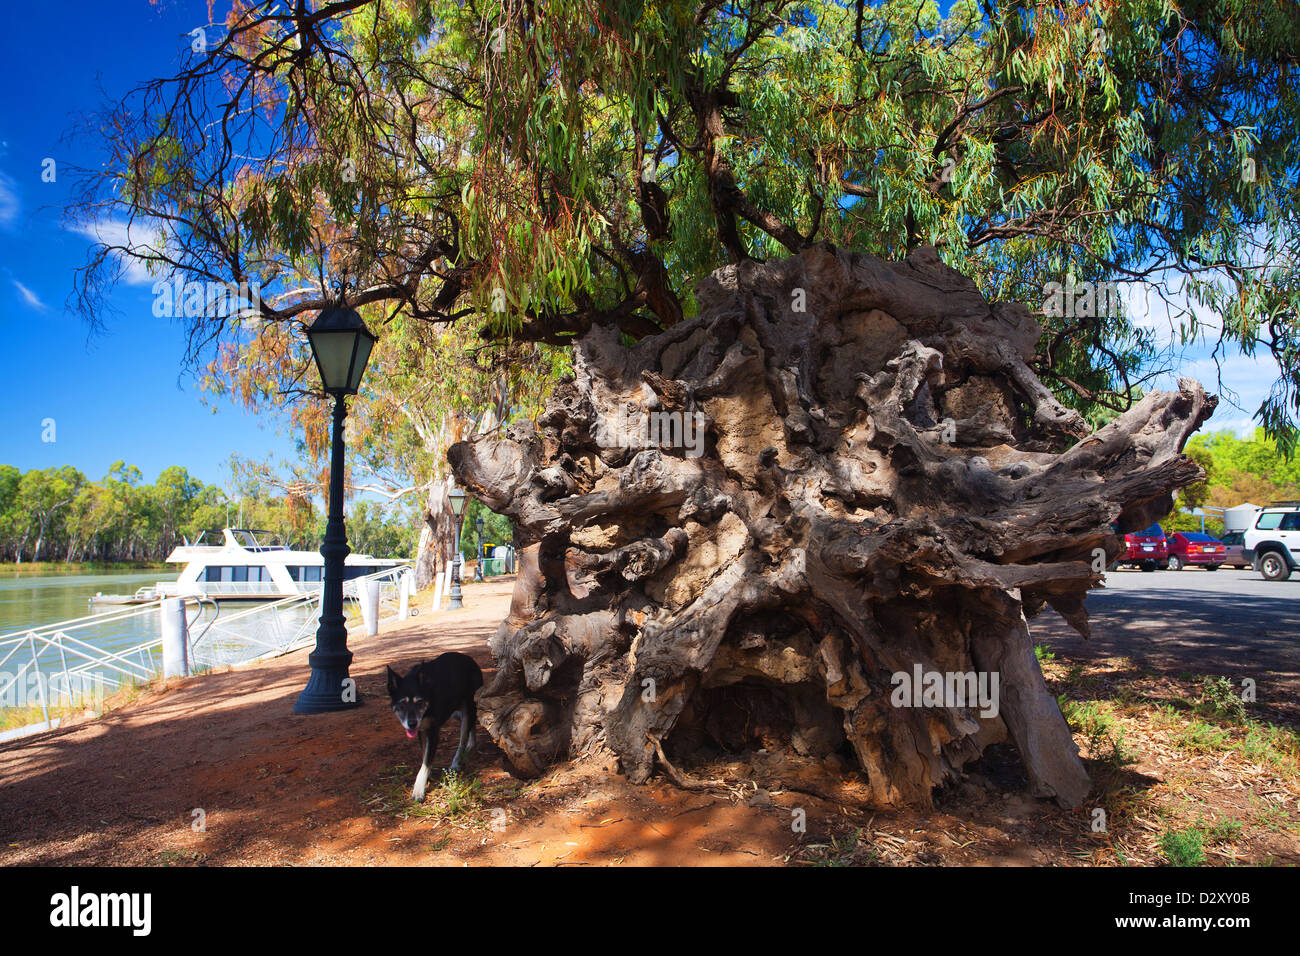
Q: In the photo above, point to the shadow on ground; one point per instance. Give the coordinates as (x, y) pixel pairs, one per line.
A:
(1187, 633)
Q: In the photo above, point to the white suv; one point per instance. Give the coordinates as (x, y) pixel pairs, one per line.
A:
(1272, 543)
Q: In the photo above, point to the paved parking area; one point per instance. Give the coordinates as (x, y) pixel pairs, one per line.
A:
(1192, 622)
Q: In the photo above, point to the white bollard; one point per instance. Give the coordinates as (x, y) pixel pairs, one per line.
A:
(403, 597)
(175, 638)
(437, 593)
(370, 607)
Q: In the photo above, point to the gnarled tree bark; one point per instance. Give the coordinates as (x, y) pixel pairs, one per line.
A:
(882, 483)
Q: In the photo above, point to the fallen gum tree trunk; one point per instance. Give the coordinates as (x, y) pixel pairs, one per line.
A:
(746, 531)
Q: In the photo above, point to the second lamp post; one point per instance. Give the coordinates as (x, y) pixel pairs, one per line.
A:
(457, 497)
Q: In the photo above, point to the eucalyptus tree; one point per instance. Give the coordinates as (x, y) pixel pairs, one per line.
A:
(11, 521)
(433, 387)
(701, 198)
(45, 495)
(427, 388)
(538, 168)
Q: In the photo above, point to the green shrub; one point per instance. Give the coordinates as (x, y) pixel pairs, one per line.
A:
(1219, 698)
(1183, 847)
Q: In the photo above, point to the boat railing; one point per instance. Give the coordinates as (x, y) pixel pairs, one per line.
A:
(57, 666)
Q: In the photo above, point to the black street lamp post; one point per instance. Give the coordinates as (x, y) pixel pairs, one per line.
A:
(340, 344)
(457, 497)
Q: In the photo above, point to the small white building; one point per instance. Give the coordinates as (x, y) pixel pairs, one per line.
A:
(1239, 518)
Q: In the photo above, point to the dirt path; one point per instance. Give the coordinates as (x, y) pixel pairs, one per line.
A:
(271, 787)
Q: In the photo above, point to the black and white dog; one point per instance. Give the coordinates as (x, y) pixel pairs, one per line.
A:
(429, 694)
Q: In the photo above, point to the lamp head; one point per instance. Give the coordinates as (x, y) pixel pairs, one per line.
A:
(341, 345)
(457, 496)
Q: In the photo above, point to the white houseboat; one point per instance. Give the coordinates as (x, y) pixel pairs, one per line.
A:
(249, 565)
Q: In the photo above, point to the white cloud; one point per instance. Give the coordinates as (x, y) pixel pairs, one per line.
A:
(8, 201)
(1241, 427)
(1162, 304)
(138, 237)
(30, 297)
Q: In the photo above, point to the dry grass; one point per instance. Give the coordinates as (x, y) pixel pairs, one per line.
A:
(1183, 771)
(1186, 772)
(464, 802)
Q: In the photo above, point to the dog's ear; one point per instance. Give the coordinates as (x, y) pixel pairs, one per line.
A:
(393, 681)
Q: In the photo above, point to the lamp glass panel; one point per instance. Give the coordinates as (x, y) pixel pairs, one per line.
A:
(333, 351)
(364, 345)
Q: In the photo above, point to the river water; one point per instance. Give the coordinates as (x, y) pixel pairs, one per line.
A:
(29, 600)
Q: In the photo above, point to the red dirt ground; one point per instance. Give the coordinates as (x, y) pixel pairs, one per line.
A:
(276, 788)
(334, 789)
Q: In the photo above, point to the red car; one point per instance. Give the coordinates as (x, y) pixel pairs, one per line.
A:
(1193, 547)
(1147, 549)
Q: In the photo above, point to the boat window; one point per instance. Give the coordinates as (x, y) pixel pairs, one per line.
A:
(237, 574)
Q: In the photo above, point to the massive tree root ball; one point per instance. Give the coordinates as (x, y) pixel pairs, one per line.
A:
(880, 488)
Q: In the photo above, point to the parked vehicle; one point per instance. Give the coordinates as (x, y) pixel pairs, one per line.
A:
(1272, 543)
(1147, 549)
(1194, 547)
(1232, 550)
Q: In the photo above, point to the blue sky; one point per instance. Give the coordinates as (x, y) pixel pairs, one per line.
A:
(120, 393)
(1241, 381)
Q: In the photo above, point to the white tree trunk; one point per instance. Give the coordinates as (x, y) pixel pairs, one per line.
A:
(438, 534)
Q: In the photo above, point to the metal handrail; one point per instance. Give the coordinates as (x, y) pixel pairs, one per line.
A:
(135, 610)
(139, 661)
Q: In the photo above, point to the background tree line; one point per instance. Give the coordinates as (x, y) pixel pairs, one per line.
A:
(1237, 470)
(58, 514)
